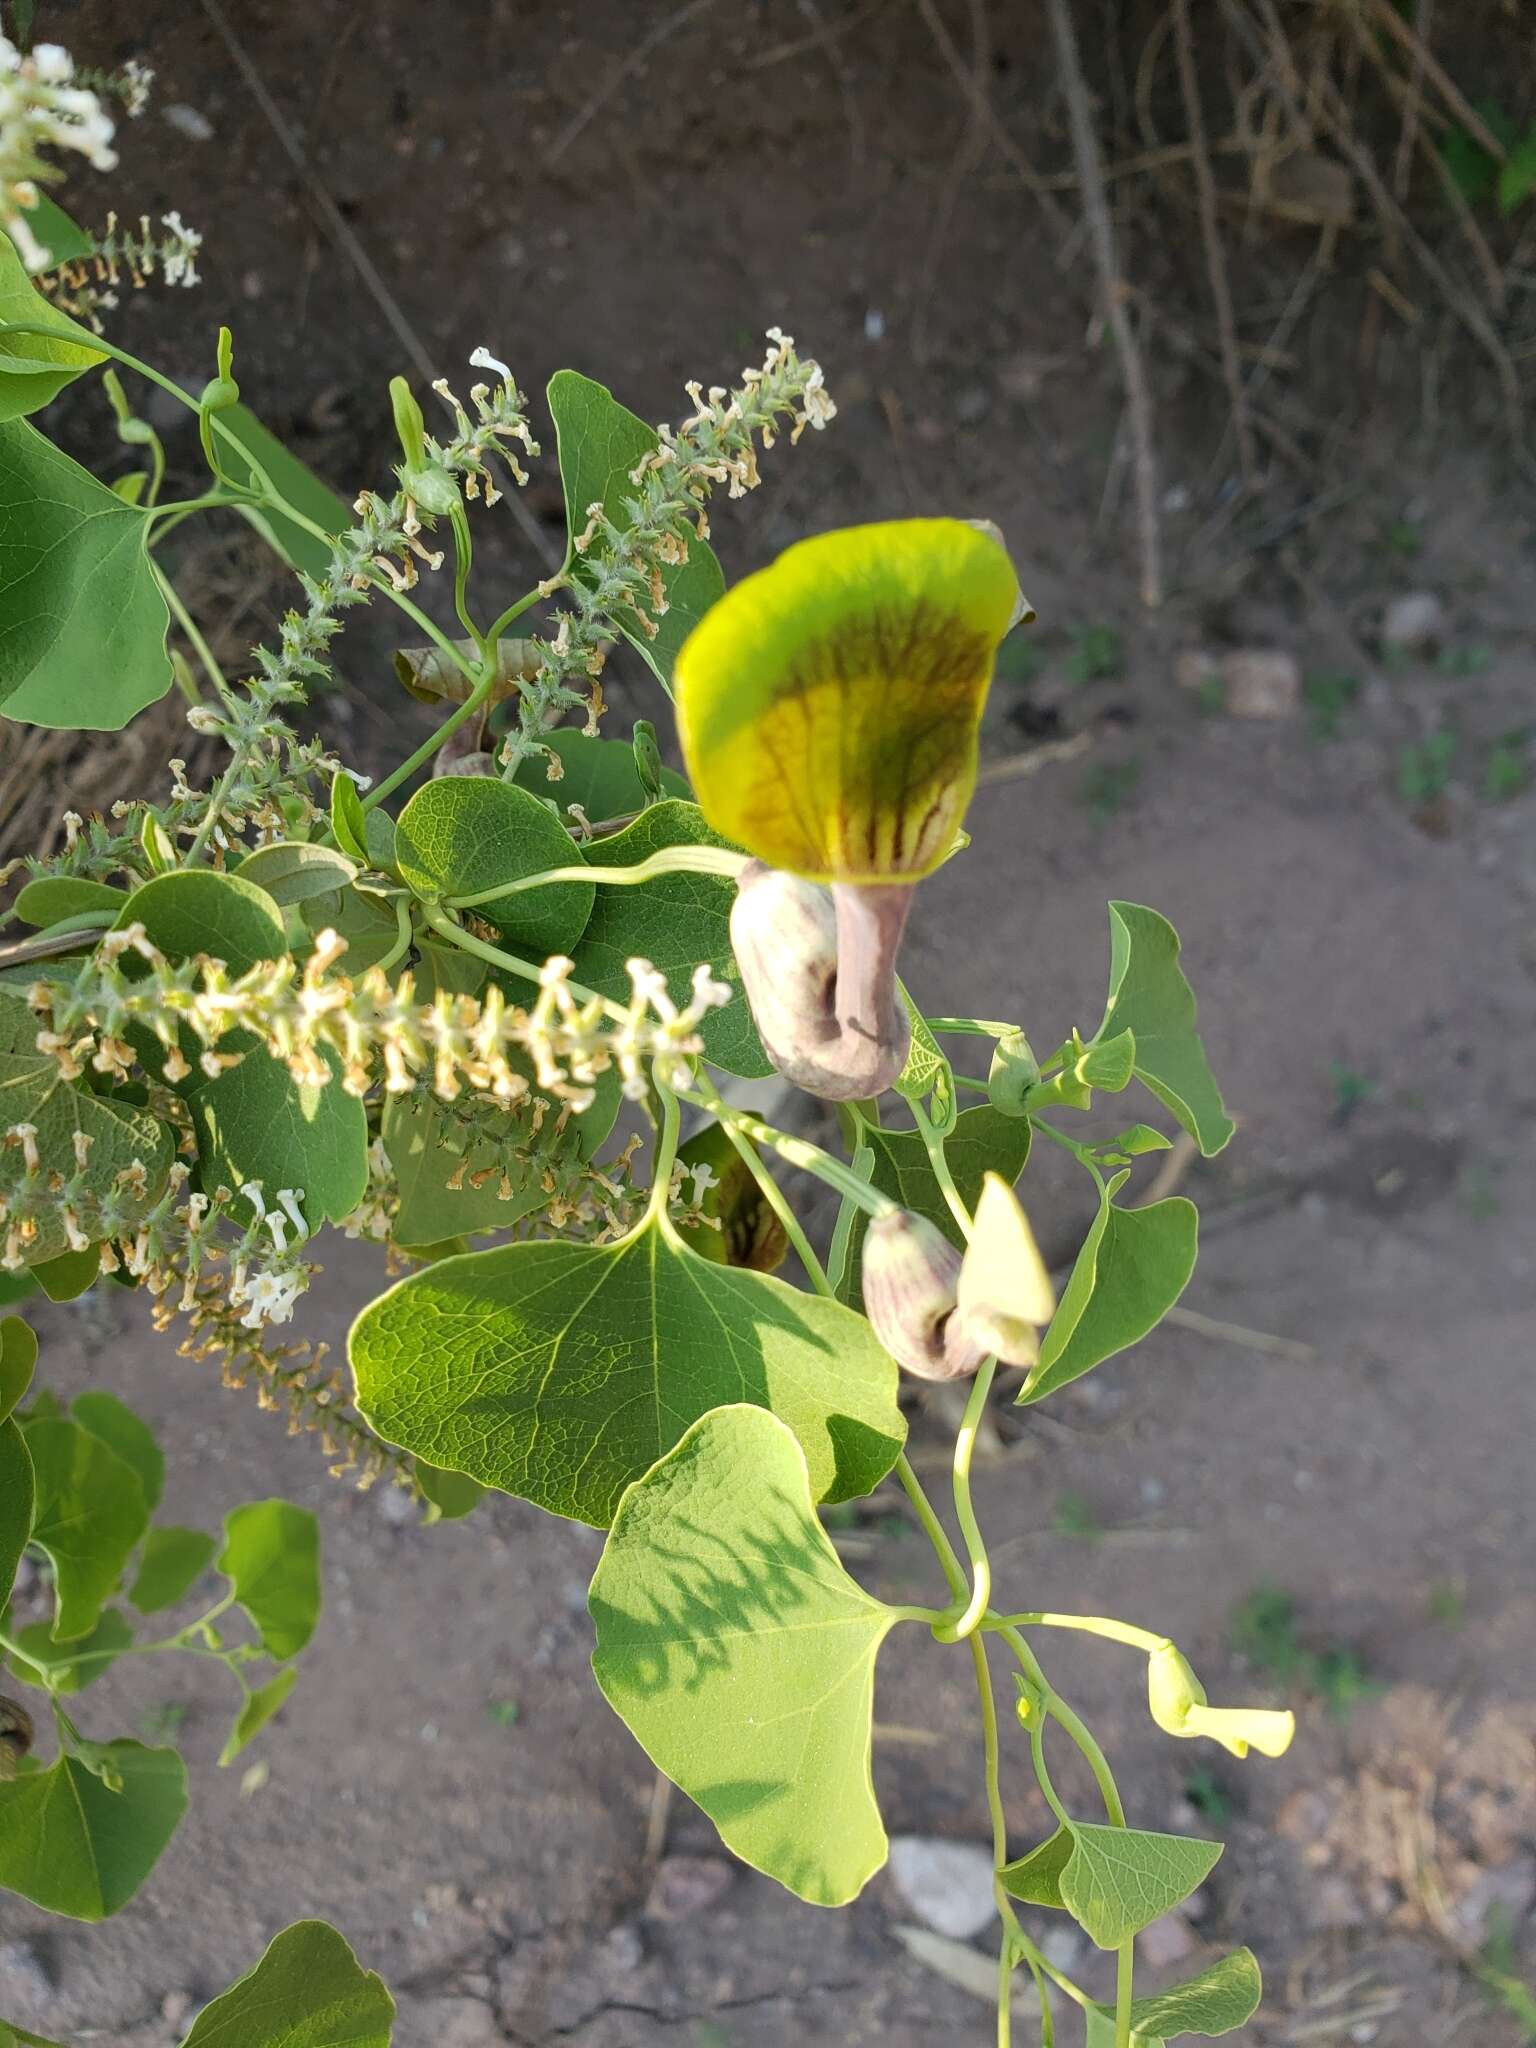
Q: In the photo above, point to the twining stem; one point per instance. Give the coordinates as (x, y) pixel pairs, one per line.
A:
(969, 1621)
(933, 1528)
(1087, 1624)
(475, 702)
(669, 860)
(933, 1145)
(1053, 1704)
(798, 1152)
(526, 970)
(666, 1153)
(770, 1190)
(189, 628)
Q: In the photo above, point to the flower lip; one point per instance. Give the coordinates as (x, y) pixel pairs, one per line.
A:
(829, 704)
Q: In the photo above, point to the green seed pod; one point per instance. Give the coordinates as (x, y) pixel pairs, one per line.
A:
(910, 1273)
(648, 760)
(221, 392)
(1014, 1071)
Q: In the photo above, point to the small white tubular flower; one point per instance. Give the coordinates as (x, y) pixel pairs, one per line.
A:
(482, 359)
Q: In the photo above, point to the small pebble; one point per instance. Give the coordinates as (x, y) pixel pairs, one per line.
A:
(948, 1885)
(1166, 1941)
(685, 1886)
(188, 121)
(1414, 623)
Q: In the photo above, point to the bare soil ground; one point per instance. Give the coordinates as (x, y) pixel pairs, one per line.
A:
(1367, 974)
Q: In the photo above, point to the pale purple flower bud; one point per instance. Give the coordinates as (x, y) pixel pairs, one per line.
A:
(819, 969)
(910, 1274)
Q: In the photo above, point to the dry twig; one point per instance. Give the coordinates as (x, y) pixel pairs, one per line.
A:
(1085, 148)
(1210, 234)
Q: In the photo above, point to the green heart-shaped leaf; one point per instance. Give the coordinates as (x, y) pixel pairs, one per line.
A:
(741, 1655)
(1119, 1880)
(464, 834)
(308, 1991)
(82, 621)
(560, 1372)
(1218, 2001)
(34, 368)
(1149, 996)
(72, 1846)
(174, 1560)
(599, 442)
(90, 1513)
(674, 921)
(599, 777)
(256, 1711)
(17, 1491)
(271, 1557)
(1132, 1267)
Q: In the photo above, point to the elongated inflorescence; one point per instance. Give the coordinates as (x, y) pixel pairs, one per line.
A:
(375, 1032)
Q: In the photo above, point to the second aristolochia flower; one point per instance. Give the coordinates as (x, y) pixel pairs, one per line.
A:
(829, 704)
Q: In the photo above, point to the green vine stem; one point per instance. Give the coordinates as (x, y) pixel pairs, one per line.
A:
(669, 860)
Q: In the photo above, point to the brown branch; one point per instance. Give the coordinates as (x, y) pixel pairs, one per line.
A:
(1210, 234)
(1085, 148)
(1450, 91)
(973, 85)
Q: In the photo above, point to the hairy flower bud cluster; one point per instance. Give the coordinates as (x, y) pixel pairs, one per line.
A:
(43, 107)
(372, 1030)
(621, 564)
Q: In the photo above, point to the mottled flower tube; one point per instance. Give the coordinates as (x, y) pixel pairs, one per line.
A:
(819, 970)
(829, 708)
(910, 1271)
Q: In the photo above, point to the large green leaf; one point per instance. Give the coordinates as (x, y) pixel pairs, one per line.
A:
(1133, 1266)
(428, 1147)
(465, 833)
(104, 1415)
(560, 1372)
(34, 368)
(120, 1137)
(308, 1991)
(82, 621)
(741, 1655)
(255, 1121)
(90, 1513)
(1218, 2001)
(71, 1845)
(271, 1557)
(194, 911)
(49, 898)
(983, 1141)
(1149, 996)
(674, 921)
(63, 238)
(291, 871)
(174, 1560)
(18, 1358)
(16, 1497)
(243, 436)
(599, 776)
(1113, 1881)
(599, 443)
